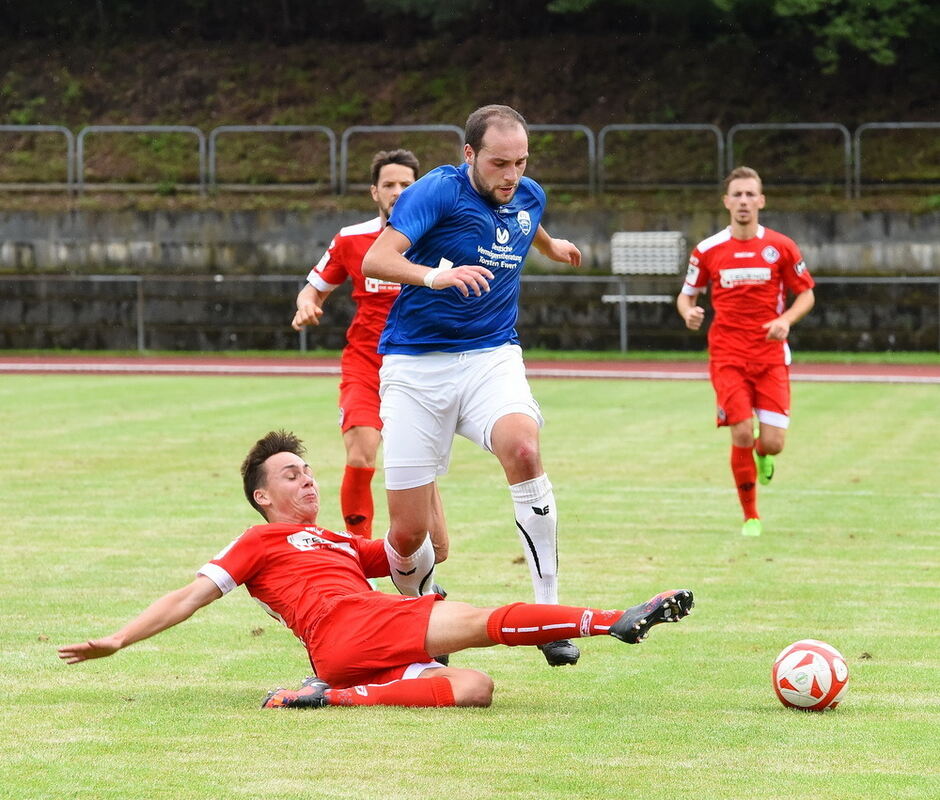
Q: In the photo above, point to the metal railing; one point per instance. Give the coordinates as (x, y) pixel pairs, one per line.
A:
(69, 157)
(350, 132)
(594, 167)
(799, 126)
(223, 129)
(588, 134)
(691, 128)
(884, 126)
(161, 129)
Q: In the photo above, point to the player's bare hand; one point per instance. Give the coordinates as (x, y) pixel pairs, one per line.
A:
(468, 278)
(564, 251)
(694, 318)
(307, 314)
(777, 329)
(84, 651)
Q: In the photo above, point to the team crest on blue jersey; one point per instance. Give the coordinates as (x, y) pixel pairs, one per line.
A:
(525, 222)
(770, 254)
(502, 235)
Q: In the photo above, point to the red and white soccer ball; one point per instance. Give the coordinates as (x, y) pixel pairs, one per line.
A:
(810, 675)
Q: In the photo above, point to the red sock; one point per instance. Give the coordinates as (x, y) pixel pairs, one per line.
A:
(417, 692)
(745, 478)
(355, 497)
(533, 623)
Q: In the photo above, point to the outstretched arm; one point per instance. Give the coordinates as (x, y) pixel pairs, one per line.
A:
(556, 249)
(164, 613)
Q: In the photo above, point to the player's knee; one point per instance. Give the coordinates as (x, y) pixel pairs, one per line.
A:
(771, 443)
(472, 688)
(523, 456)
(742, 434)
(360, 460)
(406, 541)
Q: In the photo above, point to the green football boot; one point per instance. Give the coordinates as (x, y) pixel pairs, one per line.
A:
(751, 527)
(765, 468)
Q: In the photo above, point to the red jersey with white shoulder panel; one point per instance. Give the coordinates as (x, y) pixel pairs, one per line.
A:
(749, 279)
(294, 571)
(373, 297)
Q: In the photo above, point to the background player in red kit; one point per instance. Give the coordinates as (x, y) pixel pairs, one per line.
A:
(391, 172)
(750, 269)
(367, 647)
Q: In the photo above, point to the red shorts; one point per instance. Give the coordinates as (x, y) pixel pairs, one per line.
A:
(359, 393)
(742, 390)
(370, 637)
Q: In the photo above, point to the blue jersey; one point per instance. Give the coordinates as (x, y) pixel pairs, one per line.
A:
(449, 223)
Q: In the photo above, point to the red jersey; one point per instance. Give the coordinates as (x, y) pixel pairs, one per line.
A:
(373, 297)
(749, 280)
(294, 571)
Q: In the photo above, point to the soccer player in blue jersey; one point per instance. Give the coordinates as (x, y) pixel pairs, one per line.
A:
(456, 241)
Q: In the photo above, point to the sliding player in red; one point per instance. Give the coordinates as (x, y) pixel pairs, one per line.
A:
(367, 647)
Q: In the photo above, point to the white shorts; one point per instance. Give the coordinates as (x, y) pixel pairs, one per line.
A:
(428, 398)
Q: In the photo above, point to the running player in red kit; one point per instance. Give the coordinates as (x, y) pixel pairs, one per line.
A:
(367, 647)
(359, 421)
(750, 270)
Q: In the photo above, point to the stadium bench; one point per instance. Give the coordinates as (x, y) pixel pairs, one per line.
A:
(643, 253)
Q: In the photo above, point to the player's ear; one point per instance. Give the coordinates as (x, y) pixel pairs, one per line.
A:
(761, 200)
(375, 193)
(261, 497)
(468, 154)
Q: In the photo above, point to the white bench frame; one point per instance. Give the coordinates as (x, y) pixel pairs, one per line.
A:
(643, 253)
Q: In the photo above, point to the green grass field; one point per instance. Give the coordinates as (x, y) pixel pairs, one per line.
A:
(116, 489)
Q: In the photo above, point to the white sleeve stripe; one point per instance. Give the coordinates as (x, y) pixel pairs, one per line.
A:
(316, 281)
(218, 576)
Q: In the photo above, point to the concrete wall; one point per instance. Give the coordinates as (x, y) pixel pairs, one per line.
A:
(287, 242)
(217, 281)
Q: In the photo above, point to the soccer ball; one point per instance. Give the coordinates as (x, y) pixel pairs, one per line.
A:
(810, 675)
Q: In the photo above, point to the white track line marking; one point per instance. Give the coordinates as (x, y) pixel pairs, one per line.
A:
(200, 367)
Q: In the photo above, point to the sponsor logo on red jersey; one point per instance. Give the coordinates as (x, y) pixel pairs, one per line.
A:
(741, 276)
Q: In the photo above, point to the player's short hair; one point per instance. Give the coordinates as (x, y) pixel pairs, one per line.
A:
(253, 472)
(743, 172)
(385, 157)
(480, 120)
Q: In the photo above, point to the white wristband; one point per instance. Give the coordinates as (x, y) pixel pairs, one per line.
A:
(429, 277)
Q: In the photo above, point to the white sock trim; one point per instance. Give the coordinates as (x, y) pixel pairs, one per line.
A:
(412, 575)
(531, 490)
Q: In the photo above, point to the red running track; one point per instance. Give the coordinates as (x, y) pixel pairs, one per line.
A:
(291, 367)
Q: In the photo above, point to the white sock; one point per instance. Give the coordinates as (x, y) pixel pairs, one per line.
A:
(412, 575)
(537, 523)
